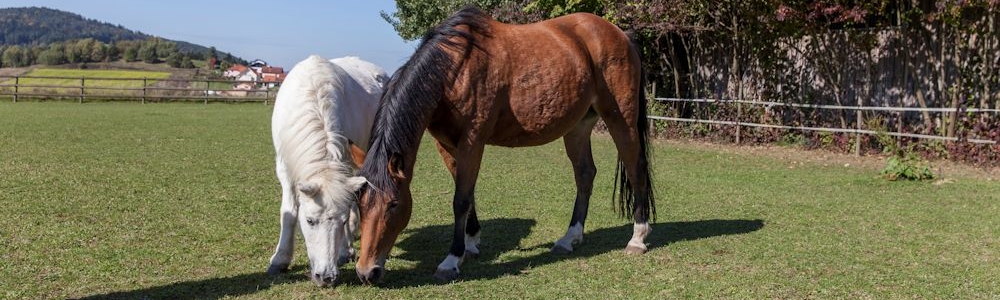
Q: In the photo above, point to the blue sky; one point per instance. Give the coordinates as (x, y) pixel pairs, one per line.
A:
(279, 32)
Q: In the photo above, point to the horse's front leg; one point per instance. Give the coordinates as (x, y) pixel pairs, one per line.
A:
(472, 224)
(282, 257)
(466, 166)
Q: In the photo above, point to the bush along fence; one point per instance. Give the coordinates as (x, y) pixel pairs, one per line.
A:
(977, 138)
(84, 89)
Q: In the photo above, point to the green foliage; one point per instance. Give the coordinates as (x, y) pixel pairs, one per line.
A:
(131, 54)
(792, 139)
(17, 56)
(907, 167)
(54, 55)
(186, 62)
(903, 163)
(147, 53)
(555, 8)
(414, 17)
(174, 60)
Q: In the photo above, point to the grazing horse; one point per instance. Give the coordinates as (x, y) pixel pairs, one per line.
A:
(323, 109)
(474, 81)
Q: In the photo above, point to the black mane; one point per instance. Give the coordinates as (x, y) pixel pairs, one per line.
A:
(414, 91)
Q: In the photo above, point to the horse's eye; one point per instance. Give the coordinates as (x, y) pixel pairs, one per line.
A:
(311, 221)
(393, 204)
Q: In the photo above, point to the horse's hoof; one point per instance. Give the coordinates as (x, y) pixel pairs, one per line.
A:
(633, 250)
(560, 250)
(472, 255)
(275, 270)
(446, 275)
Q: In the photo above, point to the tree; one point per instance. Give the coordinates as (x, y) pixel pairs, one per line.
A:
(84, 50)
(165, 49)
(112, 53)
(174, 60)
(186, 62)
(54, 55)
(212, 53)
(147, 52)
(414, 17)
(73, 55)
(131, 54)
(98, 51)
(17, 56)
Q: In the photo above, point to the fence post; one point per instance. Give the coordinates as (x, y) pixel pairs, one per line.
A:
(143, 90)
(81, 89)
(17, 81)
(206, 91)
(739, 117)
(857, 135)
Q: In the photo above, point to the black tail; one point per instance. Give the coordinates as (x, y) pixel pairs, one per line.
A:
(626, 199)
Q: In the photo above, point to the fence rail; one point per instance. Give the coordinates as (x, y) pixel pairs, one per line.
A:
(141, 89)
(858, 131)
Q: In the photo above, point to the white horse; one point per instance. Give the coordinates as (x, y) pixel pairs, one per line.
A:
(322, 113)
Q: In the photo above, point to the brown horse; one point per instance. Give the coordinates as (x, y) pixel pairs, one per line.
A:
(474, 81)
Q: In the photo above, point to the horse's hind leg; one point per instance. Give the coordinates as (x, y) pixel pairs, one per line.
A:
(578, 149)
(286, 240)
(623, 125)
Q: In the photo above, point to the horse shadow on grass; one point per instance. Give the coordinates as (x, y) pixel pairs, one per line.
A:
(428, 245)
(213, 288)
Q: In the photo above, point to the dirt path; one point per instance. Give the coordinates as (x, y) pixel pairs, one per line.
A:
(14, 71)
(944, 170)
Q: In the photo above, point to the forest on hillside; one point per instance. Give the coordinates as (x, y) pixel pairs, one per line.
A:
(38, 35)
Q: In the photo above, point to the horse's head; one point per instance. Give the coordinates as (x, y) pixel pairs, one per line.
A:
(385, 212)
(327, 215)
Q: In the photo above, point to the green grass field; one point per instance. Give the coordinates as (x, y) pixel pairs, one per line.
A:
(73, 85)
(131, 201)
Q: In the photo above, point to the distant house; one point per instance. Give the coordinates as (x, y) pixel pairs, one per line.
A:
(256, 65)
(235, 71)
(272, 76)
(257, 71)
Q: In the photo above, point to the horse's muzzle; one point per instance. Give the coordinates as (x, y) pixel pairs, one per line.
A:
(324, 280)
(371, 276)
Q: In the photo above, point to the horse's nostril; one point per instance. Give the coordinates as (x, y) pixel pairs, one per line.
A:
(375, 275)
(372, 276)
(324, 280)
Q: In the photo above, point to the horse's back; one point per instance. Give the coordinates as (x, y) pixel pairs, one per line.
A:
(344, 92)
(555, 71)
(358, 112)
(370, 76)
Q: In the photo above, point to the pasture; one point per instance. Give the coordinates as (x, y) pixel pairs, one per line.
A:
(131, 201)
(74, 82)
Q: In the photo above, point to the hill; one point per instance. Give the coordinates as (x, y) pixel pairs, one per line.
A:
(40, 26)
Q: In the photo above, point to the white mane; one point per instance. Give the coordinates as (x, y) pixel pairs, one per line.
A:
(316, 111)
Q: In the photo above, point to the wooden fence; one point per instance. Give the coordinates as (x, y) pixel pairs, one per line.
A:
(133, 89)
(738, 123)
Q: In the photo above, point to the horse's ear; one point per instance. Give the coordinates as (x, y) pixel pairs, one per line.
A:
(396, 166)
(355, 183)
(357, 154)
(308, 188)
